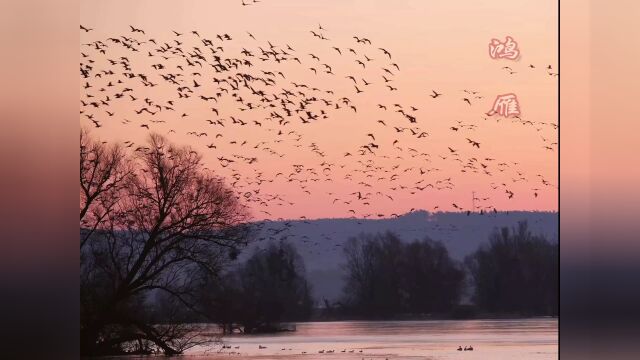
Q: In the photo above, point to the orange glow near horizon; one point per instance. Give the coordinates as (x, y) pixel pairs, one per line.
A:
(300, 169)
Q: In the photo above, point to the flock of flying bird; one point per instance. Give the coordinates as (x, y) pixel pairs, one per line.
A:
(226, 89)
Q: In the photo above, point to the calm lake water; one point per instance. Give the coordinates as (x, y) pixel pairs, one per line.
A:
(491, 340)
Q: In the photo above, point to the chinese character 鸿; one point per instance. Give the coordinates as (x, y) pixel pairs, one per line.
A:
(504, 50)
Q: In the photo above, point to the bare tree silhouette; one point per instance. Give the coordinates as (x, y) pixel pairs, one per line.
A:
(162, 224)
(103, 171)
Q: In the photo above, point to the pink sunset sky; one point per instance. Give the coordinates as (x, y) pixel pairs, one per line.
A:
(286, 168)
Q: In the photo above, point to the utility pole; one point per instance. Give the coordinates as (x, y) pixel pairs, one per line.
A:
(473, 201)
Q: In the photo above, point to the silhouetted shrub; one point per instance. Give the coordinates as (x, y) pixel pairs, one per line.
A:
(268, 289)
(387, 277)
(516, 272)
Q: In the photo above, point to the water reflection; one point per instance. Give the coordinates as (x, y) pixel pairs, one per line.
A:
(491, 339)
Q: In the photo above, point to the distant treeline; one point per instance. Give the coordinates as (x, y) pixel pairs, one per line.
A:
(514, 274)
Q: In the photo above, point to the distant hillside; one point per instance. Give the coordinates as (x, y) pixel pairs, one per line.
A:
(320, 241)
